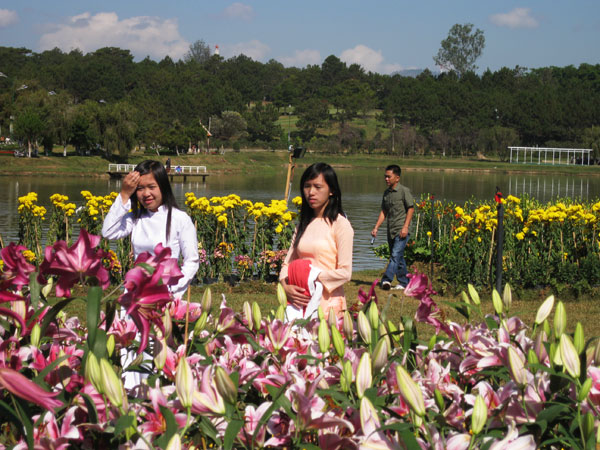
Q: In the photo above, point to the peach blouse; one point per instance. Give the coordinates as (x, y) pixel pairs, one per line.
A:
(328, 246)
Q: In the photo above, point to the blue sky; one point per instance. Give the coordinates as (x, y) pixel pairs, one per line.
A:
(382, 35)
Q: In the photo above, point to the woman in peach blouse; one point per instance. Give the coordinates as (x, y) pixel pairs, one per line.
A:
(324, 237)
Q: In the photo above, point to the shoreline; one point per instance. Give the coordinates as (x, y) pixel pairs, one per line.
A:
(252, 161)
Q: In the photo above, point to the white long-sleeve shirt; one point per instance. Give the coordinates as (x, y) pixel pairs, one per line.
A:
(150, 230)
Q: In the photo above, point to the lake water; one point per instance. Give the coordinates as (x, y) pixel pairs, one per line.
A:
(362, 190)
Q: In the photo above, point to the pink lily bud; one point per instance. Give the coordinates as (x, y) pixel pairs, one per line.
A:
(48, 288)
(373, 316)
(167, 323)
(338, 342)
(578, 338)
(206, 302)
(256, 316)
(539, 347)
(174, 443)
(473, 293)
(465, 297)
(363, 374)
(411, 392)
(560, 320)
(385, 335)
(320, 313)
(497, 302)
(110, 345)
(111, 383)
(364, 328)
(380, 354)
(20, 309)
(225, 386)
(585, 390)
(346, 376)
(480, 415)
(507, 297)
(569, 356)
(247, 314)
(200, 323)
(544, 310)
(280, 313)
(597, 353)
(331, 318)
(160, 351)
(36, 335)
(184, 383)
(348, 326)
(323, 335)
(394, 331)
(93, 373)
(281, 296)
(516, 367)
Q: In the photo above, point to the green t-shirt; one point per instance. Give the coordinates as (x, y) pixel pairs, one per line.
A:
(394, 205)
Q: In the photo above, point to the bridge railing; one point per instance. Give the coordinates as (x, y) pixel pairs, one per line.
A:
(186, 170)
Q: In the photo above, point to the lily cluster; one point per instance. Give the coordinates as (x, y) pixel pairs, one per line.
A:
(251, 379)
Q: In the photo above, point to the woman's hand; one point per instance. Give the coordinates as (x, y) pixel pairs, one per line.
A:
(129, 185)
(295, 295)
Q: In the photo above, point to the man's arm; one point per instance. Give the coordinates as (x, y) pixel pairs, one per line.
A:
(380, 220)
(409, 215)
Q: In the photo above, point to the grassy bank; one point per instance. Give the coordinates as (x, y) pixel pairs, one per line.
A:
(270, 161)
(582, 310)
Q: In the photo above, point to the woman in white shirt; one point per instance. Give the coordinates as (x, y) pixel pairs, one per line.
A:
(154, 218)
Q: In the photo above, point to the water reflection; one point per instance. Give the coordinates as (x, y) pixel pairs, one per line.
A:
(362, 190)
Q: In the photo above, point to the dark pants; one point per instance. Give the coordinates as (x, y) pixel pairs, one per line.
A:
(397, 264)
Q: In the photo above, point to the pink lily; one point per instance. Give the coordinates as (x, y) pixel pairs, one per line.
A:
(278, 333)
(6, 296)
(162, 257)
(72, 264)
(16, 269)
(207, 400)
(252, 416)
(365, 298)
(144, 300)
(19, 385)
(48, 434)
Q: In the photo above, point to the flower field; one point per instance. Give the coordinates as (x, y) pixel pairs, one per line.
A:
(235, 236)
(555, 244)
(212, 377)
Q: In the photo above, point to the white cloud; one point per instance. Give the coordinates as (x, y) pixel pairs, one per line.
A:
(8, 17)
(143, 35)
(253, 49)
(517, 18)
(371, 60)
(302, 58)
(239, 10)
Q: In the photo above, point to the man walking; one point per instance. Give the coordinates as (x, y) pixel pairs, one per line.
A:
(397, 207)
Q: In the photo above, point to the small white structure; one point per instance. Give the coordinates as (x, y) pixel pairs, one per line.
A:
(550, 155)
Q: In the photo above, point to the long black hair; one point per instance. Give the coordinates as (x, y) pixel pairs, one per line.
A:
(334, 206)
(162, 179)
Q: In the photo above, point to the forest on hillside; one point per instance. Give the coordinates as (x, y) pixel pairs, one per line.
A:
(106, 100)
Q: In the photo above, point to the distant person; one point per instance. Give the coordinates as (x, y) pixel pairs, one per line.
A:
(168, 165)
(324, 237)
(178, 169)
(397, 207)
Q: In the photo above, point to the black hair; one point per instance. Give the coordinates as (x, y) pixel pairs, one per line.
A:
(162, 179)
(395, 168)
(334, 206)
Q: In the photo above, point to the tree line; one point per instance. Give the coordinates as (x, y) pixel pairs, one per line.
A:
(106, 100)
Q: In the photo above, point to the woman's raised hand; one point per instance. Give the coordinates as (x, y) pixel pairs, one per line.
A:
(129, 185)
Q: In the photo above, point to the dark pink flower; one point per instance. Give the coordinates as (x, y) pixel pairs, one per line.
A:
(73, 264)
(171, 273)
(21, 386)
(148, 293)
(364, 298)
(16, 269)
(418, 286)
(6, 296)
